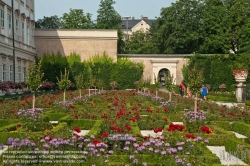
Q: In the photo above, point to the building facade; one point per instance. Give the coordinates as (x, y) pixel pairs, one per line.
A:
(17, 23)
(130, 25)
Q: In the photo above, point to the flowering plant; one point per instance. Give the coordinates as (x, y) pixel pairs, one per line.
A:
(33, 120)
(240, 72)
(193, 120)
(47, 86)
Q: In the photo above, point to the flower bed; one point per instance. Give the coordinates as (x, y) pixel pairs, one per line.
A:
(122, 115)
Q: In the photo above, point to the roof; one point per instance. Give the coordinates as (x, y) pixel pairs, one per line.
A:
(132, 23)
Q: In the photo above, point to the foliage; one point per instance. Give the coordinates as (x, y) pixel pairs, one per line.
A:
(73, 58)
(34, 76)
(79, 81)
(52, 64)
(53, 22)
(120, 42)
(140, 43)
(169, 82)
(107, 17)
(64, 82)
(210, 27)
(217, 69)
(126, 72)
(76, 19)
(101, 68)
(195, 79)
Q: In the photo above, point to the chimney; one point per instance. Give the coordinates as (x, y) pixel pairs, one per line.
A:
(133, 18)
(144, 18)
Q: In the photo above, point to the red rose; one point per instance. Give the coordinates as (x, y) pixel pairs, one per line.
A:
(96, 142)
(72, 106)
(77, 129)
(105, 134)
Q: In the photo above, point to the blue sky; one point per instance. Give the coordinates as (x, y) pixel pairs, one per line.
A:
(133, 8)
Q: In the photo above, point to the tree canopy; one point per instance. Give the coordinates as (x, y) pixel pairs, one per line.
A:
(107, 17)
(76, 19)
(53, 22)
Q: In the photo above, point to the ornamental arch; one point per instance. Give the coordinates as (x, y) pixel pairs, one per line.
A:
(154, 63)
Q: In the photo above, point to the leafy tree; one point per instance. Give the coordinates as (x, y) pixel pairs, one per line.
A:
(80, 83)
(244, 41)
(195, 81)
(169, 84)
(53, 22)
(64, 82)
(177, 30)
(238, 13)
(76, 19)
(140, 43)
(214, 28)
(107, 17)
(34, 80)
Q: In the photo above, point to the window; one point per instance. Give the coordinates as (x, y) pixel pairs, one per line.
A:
(17, 29)
(4, 72)
(24, 74)
(19, 69)
(10, 25)
(28, 35)
(31, 35)
(11, 73)
(23, 32)
(1, 21)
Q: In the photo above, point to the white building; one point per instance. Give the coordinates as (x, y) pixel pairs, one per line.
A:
(130, 25)
(16, 23)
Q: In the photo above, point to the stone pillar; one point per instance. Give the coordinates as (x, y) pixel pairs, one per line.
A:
(240, 77)
(241, 93)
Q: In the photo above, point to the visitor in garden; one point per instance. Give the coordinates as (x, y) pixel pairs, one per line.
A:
(182, 88)
(204, 92)
(189, 92)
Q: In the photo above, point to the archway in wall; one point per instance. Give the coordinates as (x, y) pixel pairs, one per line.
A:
(163, 72)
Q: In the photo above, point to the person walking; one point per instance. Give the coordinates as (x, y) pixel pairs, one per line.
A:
(204, 92)
(182, 88)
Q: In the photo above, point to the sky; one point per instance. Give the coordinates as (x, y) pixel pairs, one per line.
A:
(132, 8)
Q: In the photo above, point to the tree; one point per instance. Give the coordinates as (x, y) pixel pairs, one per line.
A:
(80, 83)
(34, 80)
(238, 12)
(53, 22)
(214, 28)
(195, 80)
(107, 17)
(64, 82)
(169, 84)
(177, 29)
(140, 43)
(76, 19)
(244, 41)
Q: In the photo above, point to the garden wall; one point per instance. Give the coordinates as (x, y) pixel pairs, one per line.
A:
(85, 43)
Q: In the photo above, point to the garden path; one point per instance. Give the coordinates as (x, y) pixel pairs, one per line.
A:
(2, 149)
(225, 157)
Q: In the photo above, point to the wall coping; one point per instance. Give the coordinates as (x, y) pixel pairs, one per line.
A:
(75, 34)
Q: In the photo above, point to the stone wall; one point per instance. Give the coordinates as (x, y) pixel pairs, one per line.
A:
(155, 62)
(86, 43)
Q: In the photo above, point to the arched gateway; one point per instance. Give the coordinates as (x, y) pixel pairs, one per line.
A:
(155, 64)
